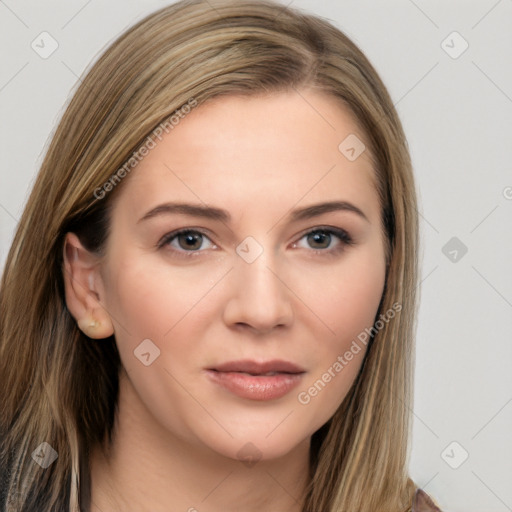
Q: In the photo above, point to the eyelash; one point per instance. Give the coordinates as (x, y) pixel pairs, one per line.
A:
(344, 238)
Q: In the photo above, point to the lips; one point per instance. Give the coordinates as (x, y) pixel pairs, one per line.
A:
(255, 380)
(259, 368)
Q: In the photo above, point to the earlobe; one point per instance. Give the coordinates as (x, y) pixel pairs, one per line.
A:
(81, 276)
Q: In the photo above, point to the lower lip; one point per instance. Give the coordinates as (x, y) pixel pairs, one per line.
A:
(256, 387)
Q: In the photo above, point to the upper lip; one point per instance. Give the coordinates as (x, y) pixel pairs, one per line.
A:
(258, 368)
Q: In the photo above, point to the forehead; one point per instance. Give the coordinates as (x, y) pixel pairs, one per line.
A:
(259, 151)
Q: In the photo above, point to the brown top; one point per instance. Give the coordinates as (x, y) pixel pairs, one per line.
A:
(422, 502)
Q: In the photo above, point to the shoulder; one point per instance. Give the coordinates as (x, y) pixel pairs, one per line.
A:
(422, 502)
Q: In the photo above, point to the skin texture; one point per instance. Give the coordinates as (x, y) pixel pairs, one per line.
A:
(178, 435)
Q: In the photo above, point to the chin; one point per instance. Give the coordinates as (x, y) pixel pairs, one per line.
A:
(254, 443)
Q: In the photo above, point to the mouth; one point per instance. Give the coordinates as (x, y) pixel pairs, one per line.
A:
(254, 380)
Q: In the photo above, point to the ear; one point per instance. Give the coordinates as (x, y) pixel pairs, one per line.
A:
(82, 281)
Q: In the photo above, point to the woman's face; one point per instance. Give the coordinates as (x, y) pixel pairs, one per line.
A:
(230, 332)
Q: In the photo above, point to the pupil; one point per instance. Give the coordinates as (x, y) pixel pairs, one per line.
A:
(320, 238)
(190, 241)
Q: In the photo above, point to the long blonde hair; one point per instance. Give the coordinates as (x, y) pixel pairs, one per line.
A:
(59, 387)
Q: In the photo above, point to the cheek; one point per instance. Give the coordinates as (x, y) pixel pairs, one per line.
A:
(347, 303)
(151, 300)
(345, 296)
(149, 297)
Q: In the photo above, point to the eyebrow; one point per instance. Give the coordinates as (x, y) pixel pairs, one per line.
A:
(218, 214)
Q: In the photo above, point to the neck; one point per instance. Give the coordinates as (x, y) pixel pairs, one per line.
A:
(148, 469)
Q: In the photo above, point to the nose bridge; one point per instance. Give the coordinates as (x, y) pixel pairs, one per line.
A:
(259, 297)
(259, 276)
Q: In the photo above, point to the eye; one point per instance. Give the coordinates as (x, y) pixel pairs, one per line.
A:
(325, 239)
(187, 240)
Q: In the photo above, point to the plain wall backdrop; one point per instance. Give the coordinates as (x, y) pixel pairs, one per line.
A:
(448, 68)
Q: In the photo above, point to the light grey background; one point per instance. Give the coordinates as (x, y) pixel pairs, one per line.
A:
(457, 113)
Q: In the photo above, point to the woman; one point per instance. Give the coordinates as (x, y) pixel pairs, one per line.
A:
(210, 300)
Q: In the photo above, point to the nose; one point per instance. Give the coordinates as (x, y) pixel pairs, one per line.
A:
(259, 298)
